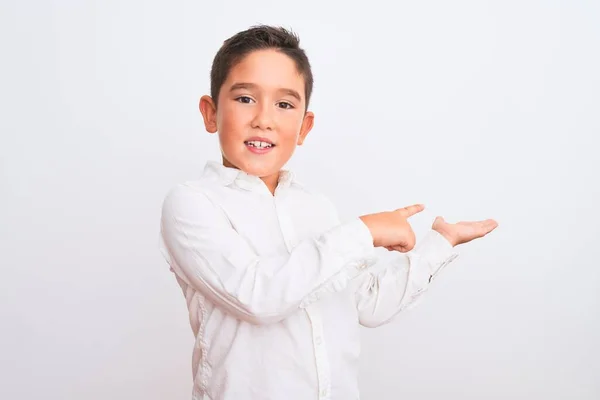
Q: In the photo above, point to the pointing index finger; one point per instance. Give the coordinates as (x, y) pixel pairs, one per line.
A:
(409, 211)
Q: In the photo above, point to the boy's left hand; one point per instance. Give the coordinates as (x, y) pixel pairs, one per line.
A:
(464, 231)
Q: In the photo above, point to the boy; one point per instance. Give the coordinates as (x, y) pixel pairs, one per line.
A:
(276, 286)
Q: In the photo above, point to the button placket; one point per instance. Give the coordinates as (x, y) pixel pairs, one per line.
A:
(321, 360)
(286, 225)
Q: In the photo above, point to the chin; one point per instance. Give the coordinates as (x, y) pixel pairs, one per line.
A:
(260, 168)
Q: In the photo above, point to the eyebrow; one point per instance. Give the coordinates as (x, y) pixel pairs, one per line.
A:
(245, 85)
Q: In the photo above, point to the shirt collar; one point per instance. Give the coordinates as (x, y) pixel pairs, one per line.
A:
(228, 175)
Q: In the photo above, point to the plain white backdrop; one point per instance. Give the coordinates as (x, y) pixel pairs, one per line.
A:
(476, 109)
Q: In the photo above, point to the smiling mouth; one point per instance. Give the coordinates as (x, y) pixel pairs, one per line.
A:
(259, 144)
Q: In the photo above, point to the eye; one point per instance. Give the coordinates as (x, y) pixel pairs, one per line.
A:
(244, 99)
(285, 105)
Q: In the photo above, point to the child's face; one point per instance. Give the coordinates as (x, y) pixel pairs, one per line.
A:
(262, 98)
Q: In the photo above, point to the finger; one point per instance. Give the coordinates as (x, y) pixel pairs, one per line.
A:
(490, 225)
(401, 249)
(487, 222)
(409, 211)
(486, 226)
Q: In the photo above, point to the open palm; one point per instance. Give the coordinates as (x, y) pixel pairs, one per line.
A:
(463, 231)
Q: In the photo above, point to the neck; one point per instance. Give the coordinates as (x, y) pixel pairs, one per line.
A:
(270, 181)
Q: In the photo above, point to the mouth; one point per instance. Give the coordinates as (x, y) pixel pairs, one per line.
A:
(259, 145)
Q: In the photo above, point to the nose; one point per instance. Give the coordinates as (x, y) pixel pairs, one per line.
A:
(263, 119)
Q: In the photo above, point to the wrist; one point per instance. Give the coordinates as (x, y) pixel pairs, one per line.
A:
(366, 221)
(448, 236)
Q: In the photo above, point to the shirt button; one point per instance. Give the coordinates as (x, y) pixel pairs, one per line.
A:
(318, 341)
(324, 392)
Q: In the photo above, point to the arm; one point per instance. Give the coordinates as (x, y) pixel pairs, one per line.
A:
(206, 252)
(403, 281)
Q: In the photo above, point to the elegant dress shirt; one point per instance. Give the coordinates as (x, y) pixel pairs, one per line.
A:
(277, 286)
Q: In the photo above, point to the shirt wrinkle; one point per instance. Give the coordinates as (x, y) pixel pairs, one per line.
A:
(282, 282)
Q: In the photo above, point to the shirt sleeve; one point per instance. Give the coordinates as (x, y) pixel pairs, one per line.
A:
(205, 251)
(403, 280)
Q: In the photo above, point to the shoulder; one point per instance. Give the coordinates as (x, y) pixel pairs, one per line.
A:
(189, 196)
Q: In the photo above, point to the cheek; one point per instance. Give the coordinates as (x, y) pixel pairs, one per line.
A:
(232, 121)
(290, 127)
(288, 138)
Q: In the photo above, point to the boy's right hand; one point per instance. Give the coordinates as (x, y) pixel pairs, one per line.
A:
(390, 229)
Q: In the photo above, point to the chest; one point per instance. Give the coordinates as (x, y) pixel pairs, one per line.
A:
(276, 224)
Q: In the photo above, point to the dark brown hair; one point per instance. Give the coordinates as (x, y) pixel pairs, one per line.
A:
(261, 37)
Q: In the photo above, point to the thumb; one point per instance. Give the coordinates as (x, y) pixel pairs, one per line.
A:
(438, 222)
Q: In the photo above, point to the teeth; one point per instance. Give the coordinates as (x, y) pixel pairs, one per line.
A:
(259, 144)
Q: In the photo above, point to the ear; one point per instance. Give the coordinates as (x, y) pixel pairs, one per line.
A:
(307, 124)
(209, 113)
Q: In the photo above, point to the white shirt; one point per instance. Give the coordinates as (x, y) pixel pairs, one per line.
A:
(277, 287)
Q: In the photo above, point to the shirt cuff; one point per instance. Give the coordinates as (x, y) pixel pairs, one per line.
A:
(437, 251)
(354, 244)
(353, 241)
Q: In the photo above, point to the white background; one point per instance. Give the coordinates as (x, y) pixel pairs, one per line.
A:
(477, 109)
